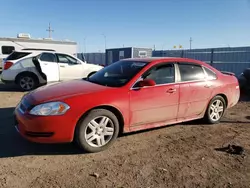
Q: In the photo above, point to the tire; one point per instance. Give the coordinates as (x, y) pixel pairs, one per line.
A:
(88, 136)
(27, 82)
(246, 73)
(215, 108)
(90, 74)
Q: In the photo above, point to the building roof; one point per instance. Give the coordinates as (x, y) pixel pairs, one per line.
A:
(36, 40)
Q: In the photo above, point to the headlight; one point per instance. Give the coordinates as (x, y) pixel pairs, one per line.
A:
(50, 109)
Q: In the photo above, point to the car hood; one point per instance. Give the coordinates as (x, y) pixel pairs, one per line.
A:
(57, 91)
(94, 66)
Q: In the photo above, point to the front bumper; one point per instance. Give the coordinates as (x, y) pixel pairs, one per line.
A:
(43, 129)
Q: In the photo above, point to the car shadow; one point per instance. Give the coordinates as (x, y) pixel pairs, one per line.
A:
(13, 145)
(242, 122)
(9, 88)
(244, 97)
(247, 117)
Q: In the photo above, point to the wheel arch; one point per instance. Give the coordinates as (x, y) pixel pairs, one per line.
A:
(113, 109)
(26, 73)
(224, 97)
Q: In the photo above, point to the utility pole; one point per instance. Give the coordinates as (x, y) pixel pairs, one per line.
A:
(190, 43)
(50, 30)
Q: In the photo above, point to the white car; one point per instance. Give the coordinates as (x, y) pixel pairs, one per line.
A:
(29, 68)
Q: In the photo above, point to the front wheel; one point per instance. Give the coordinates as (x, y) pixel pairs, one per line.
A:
(215, 110)
(97, 131)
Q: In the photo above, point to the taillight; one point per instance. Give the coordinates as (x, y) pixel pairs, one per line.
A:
(7, 65)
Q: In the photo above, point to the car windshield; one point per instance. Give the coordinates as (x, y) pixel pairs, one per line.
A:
(117, 74)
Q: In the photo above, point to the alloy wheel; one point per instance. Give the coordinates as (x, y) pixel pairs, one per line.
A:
(99, 131)
(27, 83)
(216, 110)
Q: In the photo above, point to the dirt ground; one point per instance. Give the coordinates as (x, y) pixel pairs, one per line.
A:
(176, 156)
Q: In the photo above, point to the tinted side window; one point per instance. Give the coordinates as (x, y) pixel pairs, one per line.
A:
(48, 57)
(7, 49)
(162, 74)
(63, 58)
(17, 55)
(191, 72)
(211, 75)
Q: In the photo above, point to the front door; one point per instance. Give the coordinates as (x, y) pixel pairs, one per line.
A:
(195, 90)
(49, 66)
(69, 67)
(157, 103)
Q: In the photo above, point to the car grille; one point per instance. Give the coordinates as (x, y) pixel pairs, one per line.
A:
(39, 134)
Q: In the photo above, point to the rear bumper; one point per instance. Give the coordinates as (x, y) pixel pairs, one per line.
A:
(7, 81)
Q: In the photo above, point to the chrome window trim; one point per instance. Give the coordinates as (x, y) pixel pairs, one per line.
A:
(178, 76)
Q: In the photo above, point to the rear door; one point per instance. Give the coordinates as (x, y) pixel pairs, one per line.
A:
(49, 66)
(69, 67)
(195, 90)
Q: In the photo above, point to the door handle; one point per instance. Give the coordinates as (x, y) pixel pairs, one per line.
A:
(208, 85)
(171, 90)
(62, 66)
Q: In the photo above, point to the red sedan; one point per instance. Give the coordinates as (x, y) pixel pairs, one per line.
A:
(126, 96)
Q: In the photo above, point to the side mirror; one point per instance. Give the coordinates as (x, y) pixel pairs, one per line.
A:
(146, 82)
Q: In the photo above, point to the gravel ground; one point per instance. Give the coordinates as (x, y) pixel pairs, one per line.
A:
(183, 155)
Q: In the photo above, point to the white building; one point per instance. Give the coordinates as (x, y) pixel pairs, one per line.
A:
(7, 45)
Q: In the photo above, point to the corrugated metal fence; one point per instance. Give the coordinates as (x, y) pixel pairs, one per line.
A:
(234, 59)
(93, 58)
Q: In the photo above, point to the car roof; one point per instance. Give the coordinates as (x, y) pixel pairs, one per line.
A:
(155, 59)
(32, 51)
(39, 51)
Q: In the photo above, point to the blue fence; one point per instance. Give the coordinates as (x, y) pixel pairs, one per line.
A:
(93, 58)
(234, 59)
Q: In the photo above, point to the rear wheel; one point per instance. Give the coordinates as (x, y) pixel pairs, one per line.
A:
(97, 131)
(27, 82)
(215, 110)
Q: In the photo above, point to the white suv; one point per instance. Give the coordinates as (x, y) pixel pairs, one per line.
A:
(29, 68)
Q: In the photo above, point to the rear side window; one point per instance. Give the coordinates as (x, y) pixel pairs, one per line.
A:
(7, 49)
(211, 75)
(17, 55)
(48, 57)
(191, 72)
